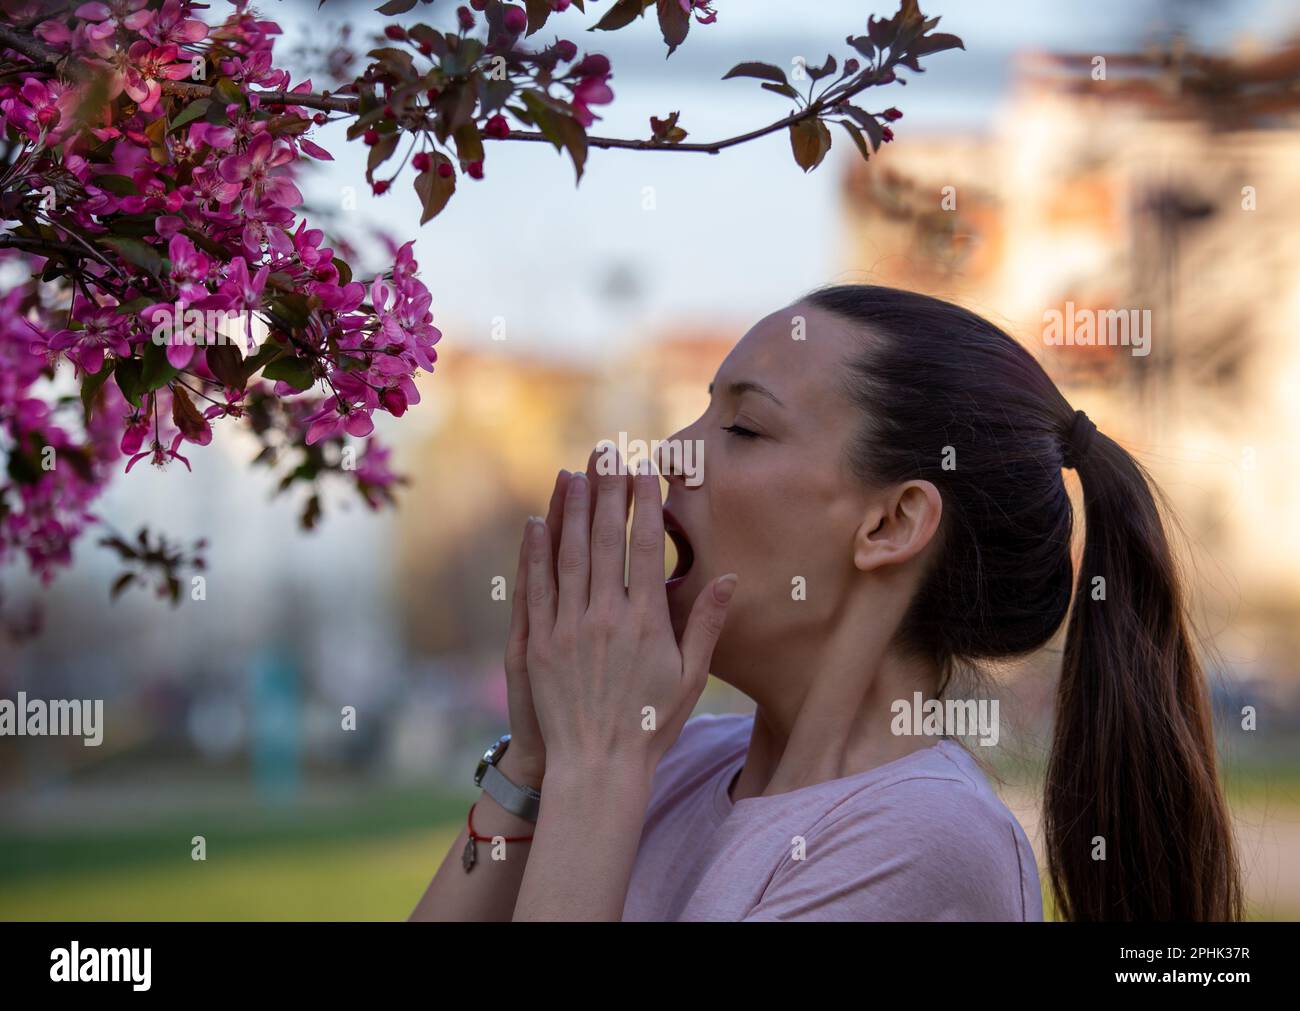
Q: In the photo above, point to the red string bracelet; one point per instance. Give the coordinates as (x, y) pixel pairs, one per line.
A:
(470, 857)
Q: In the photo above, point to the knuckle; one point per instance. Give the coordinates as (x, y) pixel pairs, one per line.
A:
(538, 593)
(607, 537)
(602, 618)
(646, 540)
(571, 560)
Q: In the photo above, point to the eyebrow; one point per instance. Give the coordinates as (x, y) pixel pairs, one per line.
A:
(748, 386)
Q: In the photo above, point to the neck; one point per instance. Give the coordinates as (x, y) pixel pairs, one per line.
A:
(835, 720)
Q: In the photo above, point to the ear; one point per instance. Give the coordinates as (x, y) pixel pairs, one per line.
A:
(899, 526)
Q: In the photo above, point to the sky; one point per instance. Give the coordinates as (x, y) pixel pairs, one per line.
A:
(729, 237)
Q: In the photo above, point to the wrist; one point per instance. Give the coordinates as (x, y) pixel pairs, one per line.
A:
(630, 772)
(521, 769)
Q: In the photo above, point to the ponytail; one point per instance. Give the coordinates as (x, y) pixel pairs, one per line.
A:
(1136, 825)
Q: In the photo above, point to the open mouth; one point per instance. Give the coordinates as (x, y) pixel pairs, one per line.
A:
(685, 553)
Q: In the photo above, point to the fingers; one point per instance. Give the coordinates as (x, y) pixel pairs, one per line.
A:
(517, 637)
(605, 461)
(573, 563)
(609, 531)
(555, 513)
(703, 628)
(645, 584)
(541, 579)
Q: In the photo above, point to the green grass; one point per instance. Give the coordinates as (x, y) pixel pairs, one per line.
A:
(369, 860)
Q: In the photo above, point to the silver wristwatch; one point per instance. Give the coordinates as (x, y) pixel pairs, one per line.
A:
(523, 801)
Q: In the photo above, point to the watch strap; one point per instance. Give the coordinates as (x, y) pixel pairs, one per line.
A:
(523, 801)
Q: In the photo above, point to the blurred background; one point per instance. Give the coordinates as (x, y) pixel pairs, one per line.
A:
(573, 314)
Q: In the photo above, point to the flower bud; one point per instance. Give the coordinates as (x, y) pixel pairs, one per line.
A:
(422, 161)
(515, 20)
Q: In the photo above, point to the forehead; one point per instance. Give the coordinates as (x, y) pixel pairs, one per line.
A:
(798, 352)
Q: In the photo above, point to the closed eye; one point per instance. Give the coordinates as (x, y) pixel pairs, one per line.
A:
(744, 433)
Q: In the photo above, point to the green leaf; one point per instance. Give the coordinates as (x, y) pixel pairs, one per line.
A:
(825, 70)
(127, 373)
(297, 372)
(674, 23)
(856, 134)
(226, 363)
(623, 13)
(136, 252)
(380, 152)
(763, 71)
(156, 371)
(90, 387)
(267, 353)
(396, 61)
(469, 145)
(810, 140)
(292, 309)
(193, 111)
(780, 89)
(935, 43)
(434, 191)
(119, 186)
(228, 92)
(574, 139)
(120, 584)
(538, 12)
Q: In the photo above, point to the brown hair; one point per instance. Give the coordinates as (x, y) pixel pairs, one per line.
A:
(1133, 756)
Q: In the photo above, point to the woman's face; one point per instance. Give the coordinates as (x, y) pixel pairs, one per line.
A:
(779, 507)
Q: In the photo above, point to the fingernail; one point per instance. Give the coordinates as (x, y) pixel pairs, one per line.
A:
(724, 587)
(580, 475)
(536, 527)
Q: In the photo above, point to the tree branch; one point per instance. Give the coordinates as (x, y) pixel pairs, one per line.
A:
(44, 58)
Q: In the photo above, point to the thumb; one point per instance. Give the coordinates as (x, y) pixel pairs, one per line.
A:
(704, 626)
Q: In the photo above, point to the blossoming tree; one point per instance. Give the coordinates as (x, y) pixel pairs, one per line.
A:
(148, 178)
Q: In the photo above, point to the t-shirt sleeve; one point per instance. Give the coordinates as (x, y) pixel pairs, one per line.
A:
(919, 849)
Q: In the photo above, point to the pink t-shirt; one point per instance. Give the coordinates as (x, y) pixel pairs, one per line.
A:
(921, 838)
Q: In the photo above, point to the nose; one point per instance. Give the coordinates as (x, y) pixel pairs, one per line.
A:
(671, 458)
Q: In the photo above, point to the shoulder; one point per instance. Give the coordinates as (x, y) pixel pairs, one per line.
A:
(929, 840)
(941, 805)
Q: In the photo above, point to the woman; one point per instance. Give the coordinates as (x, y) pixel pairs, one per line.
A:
(882, 506)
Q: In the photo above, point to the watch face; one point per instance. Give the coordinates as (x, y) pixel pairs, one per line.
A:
(490, 757)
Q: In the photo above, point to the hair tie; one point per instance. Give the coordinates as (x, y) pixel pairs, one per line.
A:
(1078, 440)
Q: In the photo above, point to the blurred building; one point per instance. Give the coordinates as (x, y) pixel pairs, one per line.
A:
(1134, 194)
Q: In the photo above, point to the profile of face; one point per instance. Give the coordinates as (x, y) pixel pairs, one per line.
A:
(779, 502)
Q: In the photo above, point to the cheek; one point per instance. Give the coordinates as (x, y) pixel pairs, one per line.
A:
(775, 524)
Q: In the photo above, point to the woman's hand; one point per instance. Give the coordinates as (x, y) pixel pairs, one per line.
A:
(610, 684)
(526, 755)
(527, 750)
